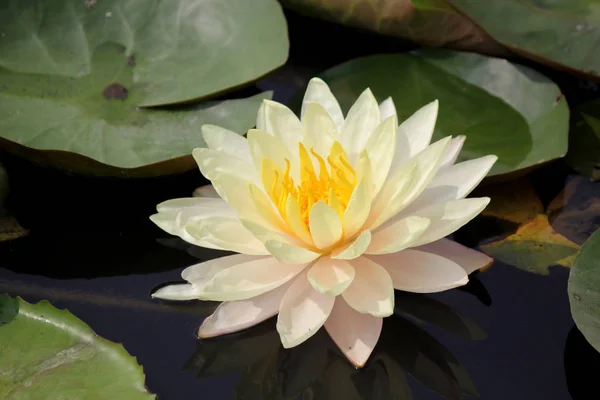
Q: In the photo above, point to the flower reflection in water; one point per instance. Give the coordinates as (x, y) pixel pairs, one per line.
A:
(317, 370)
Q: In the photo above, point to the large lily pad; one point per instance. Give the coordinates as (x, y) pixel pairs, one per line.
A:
(559, 33)
(502, 108)
(584, 140)
(49, 353)
(113, 138)
(170, 50)
(564, 33)
(584, 290)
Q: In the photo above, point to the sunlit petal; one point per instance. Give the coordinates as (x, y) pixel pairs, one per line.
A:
(318, 92)
(371, 291)
(330, 276)
(470, 260)
(362, 119)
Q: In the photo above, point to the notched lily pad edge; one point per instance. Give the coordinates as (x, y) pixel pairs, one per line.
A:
(47, 307)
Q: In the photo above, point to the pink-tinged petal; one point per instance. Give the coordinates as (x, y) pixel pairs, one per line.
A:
(302, 312)
(330, 276)
(249, 279)
(233, 316)
(420, 272)
(371, 290)
(470, 260)
(205, 191)
(354, 333)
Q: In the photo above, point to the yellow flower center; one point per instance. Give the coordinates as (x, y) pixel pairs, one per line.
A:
(333, 185)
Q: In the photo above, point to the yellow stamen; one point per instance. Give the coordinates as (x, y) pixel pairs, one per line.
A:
(334, 184)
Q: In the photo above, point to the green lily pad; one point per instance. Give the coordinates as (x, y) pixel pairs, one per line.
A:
(111, 139)
(49, 353)
(563, 33)
(584, 140)
(584, 290)
(170, 51)
(502, 108)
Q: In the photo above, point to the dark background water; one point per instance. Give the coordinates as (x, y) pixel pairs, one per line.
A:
(92, 249)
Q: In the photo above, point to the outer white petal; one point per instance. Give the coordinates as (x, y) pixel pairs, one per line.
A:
(387, 109)
(371, 290)
(233, 316)
(283, 123)
(302, 312)
(470, 260)
(398, 235)
(200, 273)
(227, 233)
(213, 162)
(452, 151)
(354, 333)
(330, 276)
(359, 205)
(420, 272)
(320, 130)
(208, 206)
(224, 140)
(361, 121)
(455, 182)
(234, 190)
(353, 249)
(206, 191)
(406, 184)
(263, 145)
(325, 225)
(288, 253)
(380, 149)
(448, 217)
(249, 279)
(419, 127)
(318, 91)
(401, 152)
(178, 292)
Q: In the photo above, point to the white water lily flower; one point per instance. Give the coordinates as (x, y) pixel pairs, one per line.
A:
(329, 215)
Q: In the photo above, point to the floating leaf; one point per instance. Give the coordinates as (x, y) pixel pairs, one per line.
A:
(559, 33)
(563, 33)
(169, 51)
(114, 139)
(502, 108)
(584, 140)
(584, 290)
(534, 244)
(49, 353)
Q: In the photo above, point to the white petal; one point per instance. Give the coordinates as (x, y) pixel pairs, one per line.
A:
(249, 279)
(470, 260)
(449, 217)
(455, 182)
(289, 254)
(178, 292)
(318, 91)
(371, 290)
(354, 249)
(361, 121)
(406, 184)
(221, 139)
(420, 272)
(359, 205)
(206, 191)
(212, 162)
(419, 127)
(452, 151)
(233, 316)
(227, 233)
(325, 225)
(263, 145)
(319, 129)
(302, 312)
(200, 273)
(283, 123)
(210, 205)
(397, 235)
(330, 276)
(354, 333)
(387, 109)
(380, 149)
(234, 190)
(401, 152)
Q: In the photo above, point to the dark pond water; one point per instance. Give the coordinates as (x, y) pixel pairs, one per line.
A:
(91, 249)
